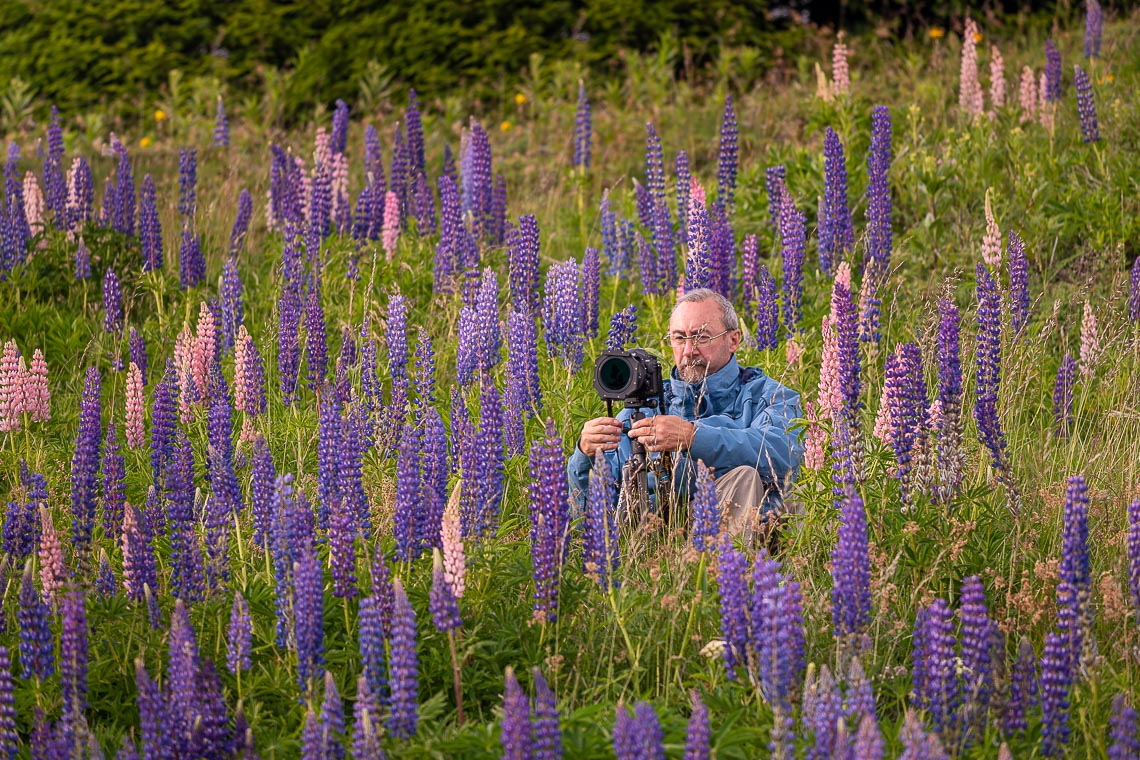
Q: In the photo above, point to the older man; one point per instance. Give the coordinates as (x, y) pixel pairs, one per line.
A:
(735, 419)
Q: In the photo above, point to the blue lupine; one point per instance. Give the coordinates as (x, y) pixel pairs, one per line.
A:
(453, 238)
(9, 739)
(105, 578)
(351, 470)
(112, 303)
(663, 244)
(332, 720)
(989, 367)
(583, 130)
(73, 653)
(880, 240)
(124, 204)
(1134, 554)
(600, 549)
(734, 619)
(1056, 683)
(705, 510)
(906, 395)
(85, 463)
(150, 228)
(476, 176)
(241, 223)
(547, 733)
(408, 498)
(442, 602)
(699, 265)
(697, 733)
(37, 647)
(1094, 28)
(824, 717)
(722, 246)
(774, 182)
(684, 182)
(1052, 72)
(794, 238)
(836, 234)
(935, 678)
(1074, 580)
(1086, 107)
(654, 164)
(114, 485)
(396, 330)
(515, 736)
(163, 421)
(647, 728)
(1122, 728)
(1022, 690)
(623, 326)
(728, 158)
(489, 464)
(80, 213)
(562, 313)
(373, 658)
(851, 570)
(329, 456)
(404, 664)
(137, 347)
(316, 347)
(550, 520)
(82, 261)
(415, 133)
(611, 243)
(342, 549)
(433, 480)
(338, 139)
(233, 312)
(239, 636)
(776, 631)
(308, 622)
(767, 311)
(187, 182)
(288, 341)
(1018, 286)
(978, 635)
(221, 126)
(1063, 395)
(188, 574)
(488, 340)
(750, 273)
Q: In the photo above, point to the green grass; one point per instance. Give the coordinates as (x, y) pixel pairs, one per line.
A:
(1075, 205)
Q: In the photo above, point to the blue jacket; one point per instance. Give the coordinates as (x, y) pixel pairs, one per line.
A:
(743, 417)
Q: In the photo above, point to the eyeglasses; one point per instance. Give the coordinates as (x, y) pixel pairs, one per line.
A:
(699, 340)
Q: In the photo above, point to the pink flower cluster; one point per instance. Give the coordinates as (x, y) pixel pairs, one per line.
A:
(23, 390)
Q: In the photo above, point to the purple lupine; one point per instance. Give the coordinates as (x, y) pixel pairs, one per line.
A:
(1018, 286)
(488, 471)
(137, 347)
(523, 396)
(547, 733)
(85, 463)
(188, 573)
(1086, 107)
(124, 203)
(600, 549)
(241, 223)
(880, 240)
(191, 261)
(487, 337)
(989, 367)
(851, 570)
(150, 228)
(82, 261)
(338, 139)
(9, 739)
(722, 246)
(316, 347)
(1134, 554)
(978, 633)
(332, 720)
(836, 233)
(1134, 291)
(623, 326)
(697, 733)
(654, 165)
(232, 309)
(373, 659)
(1022, 690)
(663, 244)
(1056, 683)
(221, 126)
(823, 714)
(1122, 730)
(847, 354)
(408, 498)
(1063, 395)
(404, 666)
(105, 579)
(684, 182)
(37, 646)
(1094, 28)
(750, 273)
(112, 303)
(433, 480)
(906, 394)
(727, 158)
(351, 470)
(153, 724)
(734, 622)
(699, 265)
(515, 735)
(239, 636)
(625, 739)
(308, 622)
(950, 456)
(562, 313)
(583, 131)
(342, 549)
(1052, 72)
(476, 175)
(329, 456)
(774, 179)
(73, 653)
(163, 422)
(226, 500)
(767, 311)
(776, 634)
(114, 482)
(442, 602)
(612, 249)
(187, 182)
(794, 239)
(262, 477)
(1073, 576)
(646, 739)
(453, 238)
(288, 341)
(704, 509)
(312, 741)
(550, 521)
(466, 348)
(935, 679)
(55, 182)
(396, 333)
(591, 286)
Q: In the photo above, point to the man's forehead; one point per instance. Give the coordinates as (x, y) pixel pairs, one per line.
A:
(695, 315)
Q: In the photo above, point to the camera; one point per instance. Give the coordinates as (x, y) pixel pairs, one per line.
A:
(633, 377)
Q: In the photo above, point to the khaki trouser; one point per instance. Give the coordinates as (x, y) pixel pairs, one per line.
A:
(741, 495)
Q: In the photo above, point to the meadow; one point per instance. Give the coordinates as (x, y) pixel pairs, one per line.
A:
(285, 414)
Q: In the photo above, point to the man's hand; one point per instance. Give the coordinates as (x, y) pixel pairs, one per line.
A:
(665, 432)
(599, 434)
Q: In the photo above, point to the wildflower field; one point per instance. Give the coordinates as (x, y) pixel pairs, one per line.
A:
(285, 416)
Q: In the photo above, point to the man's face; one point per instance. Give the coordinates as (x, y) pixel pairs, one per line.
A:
(695, 363)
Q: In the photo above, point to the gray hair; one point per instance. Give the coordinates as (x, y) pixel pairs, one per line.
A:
(727, 312)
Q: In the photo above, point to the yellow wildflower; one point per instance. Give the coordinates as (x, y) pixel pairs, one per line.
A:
(978, 37)
(506, 126)
(520, 99)
(159, 114)
(937, 33)
(145, 142)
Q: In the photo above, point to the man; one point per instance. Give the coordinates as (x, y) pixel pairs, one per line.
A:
(735, 419)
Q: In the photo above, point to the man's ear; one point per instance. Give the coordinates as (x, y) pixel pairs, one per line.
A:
(734, 339)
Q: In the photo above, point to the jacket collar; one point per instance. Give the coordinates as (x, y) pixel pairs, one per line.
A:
(717, 393)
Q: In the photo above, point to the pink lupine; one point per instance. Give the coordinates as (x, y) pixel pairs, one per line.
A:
(1027, 95)
(183, 349)
(793, 352)
(997, 79)
(34, 206)
(934, 416)
(991, 242)
(53, 574)
(1090, 342)
(830, 394)
(18, 396)
(391, 223)
(9, 387)
(37, 395)
(128, 547)
(970, 98)
(239, 368)
(814, 453)
(135, 404)
(696, 194)
(840, 72)
(1045, 111)
(202, 354)
(185, 396)
(322, 147)
(843, 277)
(882, 429)
(454, 564)
(339, 184)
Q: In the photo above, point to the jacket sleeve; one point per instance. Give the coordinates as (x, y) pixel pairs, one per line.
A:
(578, 478)
(768, 443)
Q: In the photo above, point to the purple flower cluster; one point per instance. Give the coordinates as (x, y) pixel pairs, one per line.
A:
(37, 647)
(515, 735)
(600, 546)
(1063, 395)
(288, 341)
(1134, 291)
(85, 462)
(549, 519)
(150, 229)
(1052, 72)
(191, 261)
(523, 390)
(241, 223)
(1056, 683)
(562, 313)
(1086, 107)
(1074, 580)
(697, 733)
(704, 510)
(1134, 554)
(404, 667)
(522, 254)
(933, 670)
(774, 181)
(442, 602)
(1022, 690)
(793, 235)
(221, 126)
(877, 260)
(583, 130)
(722, 249)
(776, 631)
(767, 311)
(187, 183)
(114, 482)
(732, 583)
(906, 394)
(699, 264)
(475, 173)
(639, 737)
(836, 233)
(684, 178)
(1094, 28)
(591, 287)
(308, 618)
(1122, 731)
(979, 639)
(851, 570)
(73, 653)
(728, 158)
(239, 636)
(1018, 285)
(623, 326)
(988, 356)
(487, 337)
(112, 303)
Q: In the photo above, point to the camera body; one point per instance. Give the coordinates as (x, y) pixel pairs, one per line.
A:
(633, 377)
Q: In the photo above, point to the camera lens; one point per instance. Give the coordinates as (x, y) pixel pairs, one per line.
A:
(614, 374)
